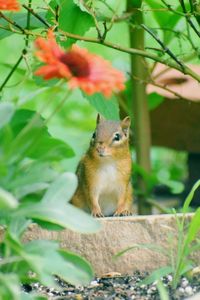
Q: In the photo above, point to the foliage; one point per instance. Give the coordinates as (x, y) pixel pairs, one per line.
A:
(44, 258)
(179, 256)
(44, 129)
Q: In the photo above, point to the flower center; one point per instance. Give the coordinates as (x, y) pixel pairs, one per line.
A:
(76, 63)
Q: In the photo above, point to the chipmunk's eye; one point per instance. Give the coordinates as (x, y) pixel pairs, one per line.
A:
(94, 135)
(117, 137)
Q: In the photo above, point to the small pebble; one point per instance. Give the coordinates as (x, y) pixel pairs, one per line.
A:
(189, 290)
(181, 290)
(184, 282)
(169, 277)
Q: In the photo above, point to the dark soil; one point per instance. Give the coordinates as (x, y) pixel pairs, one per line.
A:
(117, 288)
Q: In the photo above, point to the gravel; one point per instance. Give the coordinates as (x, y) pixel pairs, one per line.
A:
(117, 288)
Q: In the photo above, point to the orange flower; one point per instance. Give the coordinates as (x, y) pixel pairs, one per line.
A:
(82, 69)
(9, 5)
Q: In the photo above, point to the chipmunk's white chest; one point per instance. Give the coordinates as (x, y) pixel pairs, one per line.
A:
(107, 187)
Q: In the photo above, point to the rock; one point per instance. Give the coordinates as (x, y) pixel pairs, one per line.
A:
(117, 234)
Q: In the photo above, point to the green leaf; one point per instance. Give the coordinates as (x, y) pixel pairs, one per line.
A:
(60, 214)
(31, 177)
(63, 189)
(47, 259)
(54, 209)
(194, 228)
(108, 108)
(10, 287)
(162, 291)
(190, 197)
(156, 248)
(7, 200)
(34, 141)
(154, 100)
(84, 272)
(71, 19)
(25, 296)
(6, 113)
(155, 275)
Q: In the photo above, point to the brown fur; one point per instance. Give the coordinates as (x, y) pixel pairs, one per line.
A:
(104, 172)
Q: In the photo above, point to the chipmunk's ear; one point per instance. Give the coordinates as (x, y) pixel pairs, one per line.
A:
(99, 118)
(125, 124)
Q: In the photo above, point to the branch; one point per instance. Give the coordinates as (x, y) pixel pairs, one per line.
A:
(165, 48)
(31, 11)
(188, 18)
(24, 51)
(11, 72)
(180, 67)
(163, 87)
(12, 22)
(131, 51)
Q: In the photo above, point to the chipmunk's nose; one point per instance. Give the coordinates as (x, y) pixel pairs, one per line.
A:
(100, 148)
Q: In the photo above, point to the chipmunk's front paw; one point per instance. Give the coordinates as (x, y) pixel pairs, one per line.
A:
(123, 212)
(97, 213)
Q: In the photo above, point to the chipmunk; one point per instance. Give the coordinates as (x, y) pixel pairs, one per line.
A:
(104, 186)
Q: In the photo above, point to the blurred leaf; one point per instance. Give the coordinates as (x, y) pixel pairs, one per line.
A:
(25, 296)
(54, 209)
(63, 189)
(190, 196)
(154, 100)
(35, 141)
(21, 19)
(6, 112)
(157, 274)
(7, 201)
(69, 11)
(194, 228)
(108, 108)
(10, 287)
(31, 177)
(17, 226)
(156, 248)
(58, 213)
(48, 260)
(163, 293)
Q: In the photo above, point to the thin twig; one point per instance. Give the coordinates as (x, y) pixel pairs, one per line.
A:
(165, 48)
(36, 15)
(12, 22)
(163, 87)
(24, 51)
(11, 72)
(131, 51)
(188, 18)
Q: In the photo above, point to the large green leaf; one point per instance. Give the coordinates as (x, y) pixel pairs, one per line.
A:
(55, 210)
(71, 19)
(108, 108)
(47, 260)
(63, 189)
(66, 216)
(6, 112)
(33, 140)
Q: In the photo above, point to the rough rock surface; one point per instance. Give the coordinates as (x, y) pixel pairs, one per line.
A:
(117, 234)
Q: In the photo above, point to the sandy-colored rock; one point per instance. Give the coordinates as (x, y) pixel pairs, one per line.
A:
(116, 235)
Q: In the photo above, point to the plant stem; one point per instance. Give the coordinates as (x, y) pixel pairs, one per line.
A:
(140, 108)
(11, 72)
